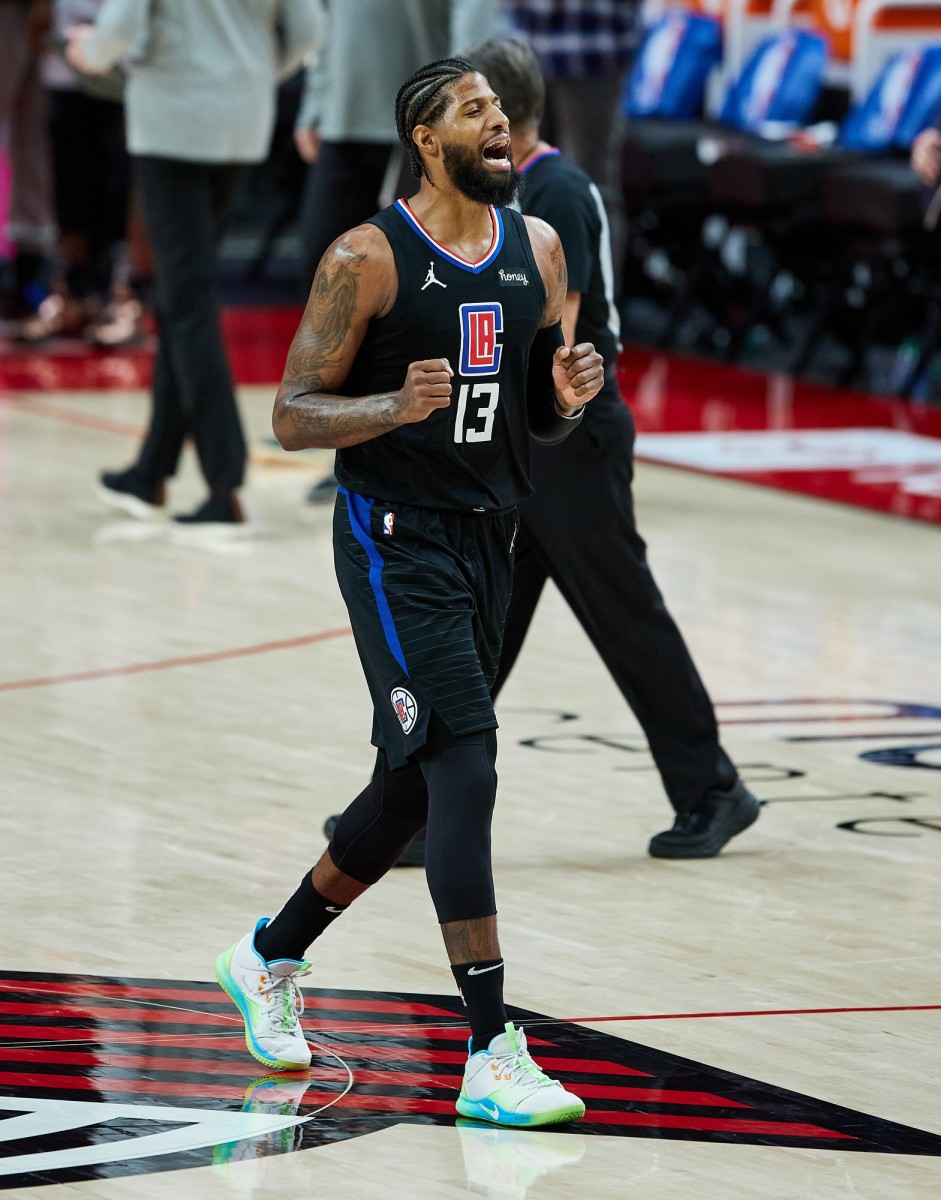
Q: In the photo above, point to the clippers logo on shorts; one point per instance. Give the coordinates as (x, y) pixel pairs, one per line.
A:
(480, 350)
(388, 520)
(405, 708)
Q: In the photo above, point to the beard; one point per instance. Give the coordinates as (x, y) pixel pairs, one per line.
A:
(474, 181)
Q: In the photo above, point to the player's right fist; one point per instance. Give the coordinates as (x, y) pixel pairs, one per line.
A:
(427, 387)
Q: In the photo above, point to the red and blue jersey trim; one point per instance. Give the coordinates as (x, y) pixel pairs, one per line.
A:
(530, 163)
(475, 268)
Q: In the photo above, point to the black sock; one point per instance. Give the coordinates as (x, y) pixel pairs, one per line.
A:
(303, 919)
(481, 987)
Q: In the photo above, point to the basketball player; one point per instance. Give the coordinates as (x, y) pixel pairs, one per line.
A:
(578, 528)
(430, 350)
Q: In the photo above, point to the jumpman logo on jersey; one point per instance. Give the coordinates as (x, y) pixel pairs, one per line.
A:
(430, 278)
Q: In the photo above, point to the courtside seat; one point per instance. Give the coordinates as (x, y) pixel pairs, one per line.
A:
(771, 175)
(661, 162)
(874, 212)
(884, 196)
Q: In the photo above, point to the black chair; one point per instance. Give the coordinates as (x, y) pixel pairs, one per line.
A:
(874, 212)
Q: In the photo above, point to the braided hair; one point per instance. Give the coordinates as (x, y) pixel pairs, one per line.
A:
(422, 99)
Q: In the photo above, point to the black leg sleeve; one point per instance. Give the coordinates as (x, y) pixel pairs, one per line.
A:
(377, 826)
(462, 788)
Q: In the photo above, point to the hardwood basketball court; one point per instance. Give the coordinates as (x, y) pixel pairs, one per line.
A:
(177, 722)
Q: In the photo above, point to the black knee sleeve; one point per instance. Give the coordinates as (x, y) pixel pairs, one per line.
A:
(374, 830)
(462, 788)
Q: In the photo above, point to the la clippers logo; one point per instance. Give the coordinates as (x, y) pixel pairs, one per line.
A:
(480, 350)
(405, 708)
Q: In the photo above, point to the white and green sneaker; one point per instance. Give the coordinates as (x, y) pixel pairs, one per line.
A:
(267, 996)
(504, 1086)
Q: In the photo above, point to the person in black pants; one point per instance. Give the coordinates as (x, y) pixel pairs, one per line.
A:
(578, 528)
(185, 205)
(200, 105)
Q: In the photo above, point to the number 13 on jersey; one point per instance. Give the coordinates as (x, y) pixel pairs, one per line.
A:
(480, 355)
(488, 394)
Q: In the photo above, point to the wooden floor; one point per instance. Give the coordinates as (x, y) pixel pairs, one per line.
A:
(176, 724)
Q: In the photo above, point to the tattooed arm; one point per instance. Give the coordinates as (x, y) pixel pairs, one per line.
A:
(356, 281)
(571, 375)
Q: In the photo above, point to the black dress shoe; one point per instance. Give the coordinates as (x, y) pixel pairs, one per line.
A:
(412, 856)
(703, 832)
(131, 493)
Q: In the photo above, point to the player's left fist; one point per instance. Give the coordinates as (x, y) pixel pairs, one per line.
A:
(578, 373)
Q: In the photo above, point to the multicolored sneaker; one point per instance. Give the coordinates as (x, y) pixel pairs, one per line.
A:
(267, 996)
(504, 1086)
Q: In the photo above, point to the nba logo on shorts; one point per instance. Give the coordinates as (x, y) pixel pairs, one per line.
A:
(388, 520)
(405, 708)
(480, 350)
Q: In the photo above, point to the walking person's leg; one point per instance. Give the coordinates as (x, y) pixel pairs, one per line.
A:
(184, 206)
(587, 537)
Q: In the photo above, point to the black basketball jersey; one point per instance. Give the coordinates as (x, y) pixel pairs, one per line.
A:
(481, 317)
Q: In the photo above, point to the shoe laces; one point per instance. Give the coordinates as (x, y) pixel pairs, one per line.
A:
(519, 1067)
(284, 1000)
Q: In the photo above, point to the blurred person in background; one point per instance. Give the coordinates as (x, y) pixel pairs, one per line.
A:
(90, 171)
(25, 135)
(584, 48)
(200, 105)
(926, 156)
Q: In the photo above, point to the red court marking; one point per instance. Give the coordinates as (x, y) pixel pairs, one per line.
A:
(670, 393)
(718, 1124)
(104, 1086)
(152, 1087)
(759, 1012)
(168, 664)
(43, 1035)
(257, 341)
(160, 998)
(86, 420)
(149, 1062)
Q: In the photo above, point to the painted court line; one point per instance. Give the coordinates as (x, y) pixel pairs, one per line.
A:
(86, 420)
(168, 664)
(759, 1012)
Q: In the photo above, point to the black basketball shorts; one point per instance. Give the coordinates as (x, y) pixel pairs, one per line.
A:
(427, 593)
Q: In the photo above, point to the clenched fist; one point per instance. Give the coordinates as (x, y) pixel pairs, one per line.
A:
(427, 387)
(578, 373)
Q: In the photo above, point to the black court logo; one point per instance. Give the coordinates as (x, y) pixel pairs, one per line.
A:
(107, 1077)
(406, 709)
